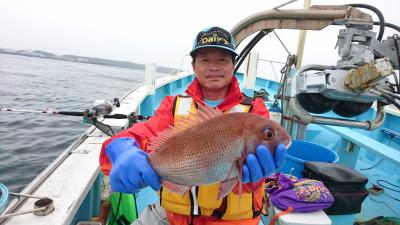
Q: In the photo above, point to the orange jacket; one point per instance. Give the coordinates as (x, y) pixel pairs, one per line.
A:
(163, 118)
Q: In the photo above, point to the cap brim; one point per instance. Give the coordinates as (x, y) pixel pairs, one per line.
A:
(213, 46)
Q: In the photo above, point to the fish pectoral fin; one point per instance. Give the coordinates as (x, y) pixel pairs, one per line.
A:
(179, 189)
(226, 187)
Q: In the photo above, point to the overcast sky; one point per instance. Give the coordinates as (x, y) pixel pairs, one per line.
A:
(148, 30)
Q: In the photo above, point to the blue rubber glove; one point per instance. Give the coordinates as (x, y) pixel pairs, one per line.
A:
(262, 164)
(131, 170)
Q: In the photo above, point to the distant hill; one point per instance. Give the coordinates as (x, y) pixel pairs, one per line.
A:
(84, 59)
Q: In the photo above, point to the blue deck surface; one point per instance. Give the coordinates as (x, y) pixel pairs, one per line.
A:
(374, 166)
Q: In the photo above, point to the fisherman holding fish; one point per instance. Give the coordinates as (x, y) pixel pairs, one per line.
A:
(206, 153)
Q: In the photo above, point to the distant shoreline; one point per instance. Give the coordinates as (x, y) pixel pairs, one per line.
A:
(84, 59)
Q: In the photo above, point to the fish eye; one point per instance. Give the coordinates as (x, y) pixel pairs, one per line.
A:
(268, 134)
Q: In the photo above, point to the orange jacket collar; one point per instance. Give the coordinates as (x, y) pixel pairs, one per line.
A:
(233, 97)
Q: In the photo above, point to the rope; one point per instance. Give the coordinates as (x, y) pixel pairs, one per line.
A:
(387, 205)
(384, 186)
(288, 52)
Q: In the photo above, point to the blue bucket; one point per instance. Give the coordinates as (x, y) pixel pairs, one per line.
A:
(303, 151)
(4, 197)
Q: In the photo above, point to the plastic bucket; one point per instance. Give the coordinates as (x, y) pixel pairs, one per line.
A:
(303, 151)
(3, 197)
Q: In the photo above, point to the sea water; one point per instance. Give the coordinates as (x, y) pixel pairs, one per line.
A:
(31, 141)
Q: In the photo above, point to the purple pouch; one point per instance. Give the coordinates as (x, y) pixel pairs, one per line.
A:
(304, 195)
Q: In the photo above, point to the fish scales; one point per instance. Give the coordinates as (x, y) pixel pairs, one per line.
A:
(197, 156)
(213, 149)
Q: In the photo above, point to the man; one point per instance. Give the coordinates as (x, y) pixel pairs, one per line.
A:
(124, 156)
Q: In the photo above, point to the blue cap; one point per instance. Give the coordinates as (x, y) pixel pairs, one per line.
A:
(214, 37)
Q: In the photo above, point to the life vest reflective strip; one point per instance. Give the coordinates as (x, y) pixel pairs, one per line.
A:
(207, 204)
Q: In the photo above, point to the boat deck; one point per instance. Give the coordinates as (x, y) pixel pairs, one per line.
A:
(380, 163)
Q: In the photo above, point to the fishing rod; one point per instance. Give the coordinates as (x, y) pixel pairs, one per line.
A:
(70, 113)
(47, 111)
(101, 108)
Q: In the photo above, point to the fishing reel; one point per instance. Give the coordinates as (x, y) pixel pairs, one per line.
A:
(360, 78)
(102, 109)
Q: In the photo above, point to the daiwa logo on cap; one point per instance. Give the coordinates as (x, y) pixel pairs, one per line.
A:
(214, 37)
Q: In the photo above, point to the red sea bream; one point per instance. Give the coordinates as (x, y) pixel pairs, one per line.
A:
(210, 147)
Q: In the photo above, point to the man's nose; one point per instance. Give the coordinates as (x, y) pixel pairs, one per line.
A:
(213, 66)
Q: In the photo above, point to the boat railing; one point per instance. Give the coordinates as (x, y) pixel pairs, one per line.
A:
(351, 142)
(270, 69)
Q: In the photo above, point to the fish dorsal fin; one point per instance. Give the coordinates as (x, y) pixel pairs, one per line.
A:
(202, 114)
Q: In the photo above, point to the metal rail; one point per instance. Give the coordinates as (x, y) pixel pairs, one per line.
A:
(315, 18)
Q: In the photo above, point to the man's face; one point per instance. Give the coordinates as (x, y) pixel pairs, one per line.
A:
(213, 68)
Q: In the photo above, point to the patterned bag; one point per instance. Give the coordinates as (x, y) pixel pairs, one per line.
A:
(302, 195)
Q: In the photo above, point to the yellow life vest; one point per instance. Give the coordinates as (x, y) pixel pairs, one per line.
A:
(202, 200)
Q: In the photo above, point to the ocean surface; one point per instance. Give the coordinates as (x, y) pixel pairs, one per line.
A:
(31, 141)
